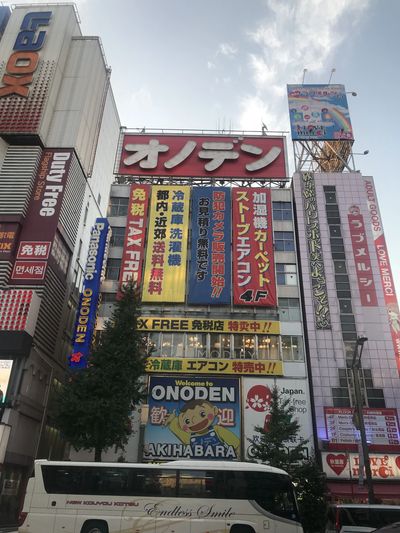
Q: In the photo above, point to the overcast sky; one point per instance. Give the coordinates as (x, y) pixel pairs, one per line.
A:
(224, 64)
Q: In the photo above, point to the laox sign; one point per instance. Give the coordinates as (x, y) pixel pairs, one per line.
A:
(22, 63)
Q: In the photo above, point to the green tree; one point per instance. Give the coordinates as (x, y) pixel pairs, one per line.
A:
(279, 444)
(94, 405)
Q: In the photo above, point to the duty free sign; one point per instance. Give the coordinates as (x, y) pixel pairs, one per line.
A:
(347, 466)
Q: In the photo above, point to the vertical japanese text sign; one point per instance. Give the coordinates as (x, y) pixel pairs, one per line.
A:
(133, 255)
(89, 299)
(165, 270)
(253, 252)
(210, 265)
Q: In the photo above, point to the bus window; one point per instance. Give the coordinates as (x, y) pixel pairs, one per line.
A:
(198, 483)
(272, 493)
(149, 482)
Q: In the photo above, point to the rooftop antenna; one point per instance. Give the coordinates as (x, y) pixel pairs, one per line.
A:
(264, 128)
(304, 75)
(330, 77)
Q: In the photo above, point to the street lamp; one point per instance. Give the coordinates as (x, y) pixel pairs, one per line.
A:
(358, 418)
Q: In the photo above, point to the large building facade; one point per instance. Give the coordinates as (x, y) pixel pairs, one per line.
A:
(348, 296)
(59, 130)
(214, 251)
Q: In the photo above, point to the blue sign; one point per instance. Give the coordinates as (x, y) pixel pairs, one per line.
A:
(210, 263)
(89, 299)
(196, 418)
(319, 112)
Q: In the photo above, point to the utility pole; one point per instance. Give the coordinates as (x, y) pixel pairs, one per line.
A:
(358, 419)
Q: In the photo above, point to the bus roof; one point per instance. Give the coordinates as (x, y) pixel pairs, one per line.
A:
(193, 465)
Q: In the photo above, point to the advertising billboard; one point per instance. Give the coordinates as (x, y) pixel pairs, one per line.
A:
(8, 237)
(5, 373)
(187, 156)
(210, 265)
(384, 467)
(193, 418)
(207, 325)
(167, 241)
(257, 403)
(319, 112)
(253, 248)
(385, 270)
(33, 47)
(89, 299)
(40, 225)
(362, 259)
(381, 428)
(235, 367)
(135, 234)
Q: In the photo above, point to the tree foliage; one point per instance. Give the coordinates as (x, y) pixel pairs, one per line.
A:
(94, 406)
(279, 444)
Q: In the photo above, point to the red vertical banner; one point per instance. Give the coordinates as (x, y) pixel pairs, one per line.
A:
(133, 254)
(253, 253)
(362, 259)
(385, 270)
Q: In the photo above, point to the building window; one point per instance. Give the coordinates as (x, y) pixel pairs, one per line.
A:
(284, 241)
(118, 207)
(60, 253)
(117, 236)
(220, 345)
(244, 346)
(113, 268)
(173, 345)
(282, 210)
(268, 347)
(292, 348)
(289, 310)
(286, 274)
(341, 397)
(196, 345)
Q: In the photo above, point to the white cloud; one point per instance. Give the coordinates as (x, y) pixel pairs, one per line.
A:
(294, 35)
(227, 49)
(141, 98)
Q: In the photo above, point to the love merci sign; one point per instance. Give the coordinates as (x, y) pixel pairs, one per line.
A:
(347, 465)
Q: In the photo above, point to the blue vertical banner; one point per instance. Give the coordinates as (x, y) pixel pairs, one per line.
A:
(89, 299)
(210, 263)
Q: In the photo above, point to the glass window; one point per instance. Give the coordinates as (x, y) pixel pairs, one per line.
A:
(282, 210)
(220, 345)
(284, 241)
(286, 274)
(112, 269)
(196, 345)
(268, 347)
(172, 345)
(335, 231)
(117, 236)
(340, 267)
(60, 253)
(292, 348)
(345, 306)
(289, 310)
(330, 197)
(118, 207)
(244, 346)
(200, 484)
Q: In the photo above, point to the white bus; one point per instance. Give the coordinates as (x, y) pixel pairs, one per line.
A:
(175, 497)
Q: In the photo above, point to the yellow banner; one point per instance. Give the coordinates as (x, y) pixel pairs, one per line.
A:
(208, 325)
(165, 271)
(214, 366)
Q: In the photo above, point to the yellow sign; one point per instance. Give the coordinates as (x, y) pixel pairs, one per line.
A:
(208, 325)
(214, 366)
(165, 271)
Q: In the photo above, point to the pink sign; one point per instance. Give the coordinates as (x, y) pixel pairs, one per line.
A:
(362, 259)
(385, 270)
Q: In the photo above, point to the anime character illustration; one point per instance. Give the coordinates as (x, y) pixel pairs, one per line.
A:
(195, 425)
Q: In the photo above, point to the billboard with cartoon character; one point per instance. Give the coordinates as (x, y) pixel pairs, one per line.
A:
(193, 418)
